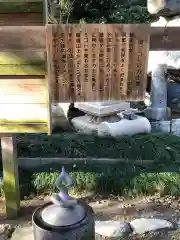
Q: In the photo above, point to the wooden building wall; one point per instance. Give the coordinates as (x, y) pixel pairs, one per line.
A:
(22, 12)
(24, 95)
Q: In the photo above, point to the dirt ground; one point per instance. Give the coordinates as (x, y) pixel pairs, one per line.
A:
(105, 209)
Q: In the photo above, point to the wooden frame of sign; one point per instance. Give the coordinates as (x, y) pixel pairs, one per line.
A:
(25, 101)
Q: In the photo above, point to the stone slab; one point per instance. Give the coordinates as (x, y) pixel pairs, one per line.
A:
(102, 109)
(160, 126)
(175, 126)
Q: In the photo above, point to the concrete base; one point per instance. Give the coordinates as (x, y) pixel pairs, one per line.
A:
(23, 233)
(161, 126)
(102, 109)
(175, 127)
(158, 114)
(89, 124)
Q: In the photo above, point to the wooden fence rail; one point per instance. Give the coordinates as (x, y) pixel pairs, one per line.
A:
(34, 37)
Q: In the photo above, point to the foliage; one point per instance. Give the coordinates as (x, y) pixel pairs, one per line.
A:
(105, 11)
(145, 147)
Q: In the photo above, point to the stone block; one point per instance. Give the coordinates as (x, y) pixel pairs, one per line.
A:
(175, 126)
(160, 126)
(89, 124)
(102, 109)
(158, 114)
(59, 115)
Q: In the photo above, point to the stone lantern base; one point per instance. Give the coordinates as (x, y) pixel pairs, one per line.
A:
(158, 114)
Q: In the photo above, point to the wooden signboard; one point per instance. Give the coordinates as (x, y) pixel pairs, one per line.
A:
(97, 61)
(24, 100)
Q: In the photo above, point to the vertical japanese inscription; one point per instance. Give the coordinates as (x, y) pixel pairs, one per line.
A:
(94, 63)
(63, 64)
(108, 61)
(123, 62)
(70, 62)
(86, 57)
(101, 63)
(55, 43)
(139, 65)
(78, 62)
(129, 84)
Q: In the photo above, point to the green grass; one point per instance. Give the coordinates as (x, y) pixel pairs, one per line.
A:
(130, 180)
(119, 179)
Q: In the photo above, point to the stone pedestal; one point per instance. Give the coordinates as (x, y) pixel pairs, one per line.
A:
(175, 127)
(103, 109)
(96, 113)
(161, 126)
(158, 109)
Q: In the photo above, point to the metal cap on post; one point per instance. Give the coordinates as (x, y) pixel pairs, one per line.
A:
(64, 217)
(65, 211)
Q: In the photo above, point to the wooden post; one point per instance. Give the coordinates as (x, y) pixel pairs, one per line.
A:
(10, 175)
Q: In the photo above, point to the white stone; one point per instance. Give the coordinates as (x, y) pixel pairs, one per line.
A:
(60, 115)
(143, 225)
(112, 228)
(102, 109)
(125, 127)
(88, 125)
(162, 22)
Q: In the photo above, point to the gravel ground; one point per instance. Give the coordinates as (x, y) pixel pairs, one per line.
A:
(106, 209)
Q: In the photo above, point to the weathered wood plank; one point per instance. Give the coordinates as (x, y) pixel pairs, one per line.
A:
(27, 113)
(24, 104)
(24, 128)
(50, 84)
(10, 176)
(22, 70)
(24, 37)
(23, 91)
(33, 57)
(30, 37)
(21, 6)
(21, 19)
(53, 91)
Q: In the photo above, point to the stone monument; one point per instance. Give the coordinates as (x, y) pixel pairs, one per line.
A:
(158, 109)
(97, 112)
(164, 8)
(159, 61)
